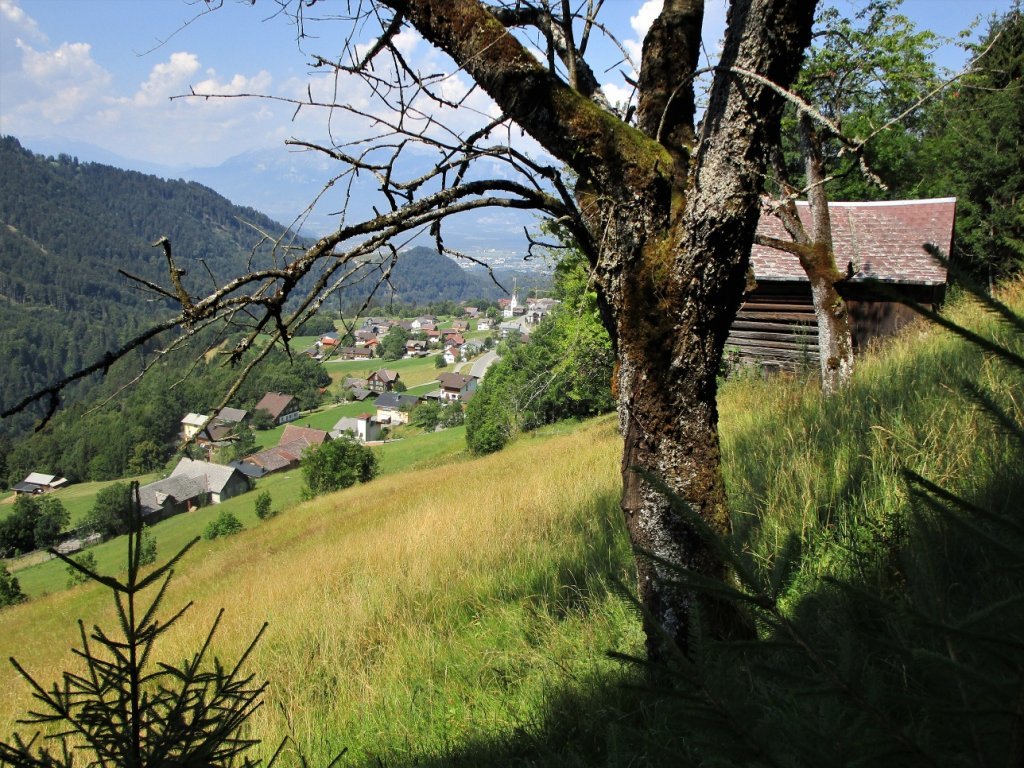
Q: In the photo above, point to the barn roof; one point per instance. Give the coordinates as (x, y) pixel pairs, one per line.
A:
(882, 240)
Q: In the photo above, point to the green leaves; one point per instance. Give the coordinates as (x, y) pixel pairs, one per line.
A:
(337, 464)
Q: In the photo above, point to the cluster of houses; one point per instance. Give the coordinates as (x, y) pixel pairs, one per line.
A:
(425, 336)
(391, 407)
(533, 311)
(194, 483)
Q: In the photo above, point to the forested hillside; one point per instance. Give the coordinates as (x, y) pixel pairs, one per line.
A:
(66, 228)
(422, 276)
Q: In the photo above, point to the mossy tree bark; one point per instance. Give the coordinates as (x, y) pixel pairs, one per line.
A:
(816, 251)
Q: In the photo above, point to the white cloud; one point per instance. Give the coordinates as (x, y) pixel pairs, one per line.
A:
(61, 84)
(25, 26)
(641, 23)
(167, 79)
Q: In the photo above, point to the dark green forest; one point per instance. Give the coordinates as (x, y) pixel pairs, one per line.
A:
(66, 228)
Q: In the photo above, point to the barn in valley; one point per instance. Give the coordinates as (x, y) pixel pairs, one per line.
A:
(880, 247)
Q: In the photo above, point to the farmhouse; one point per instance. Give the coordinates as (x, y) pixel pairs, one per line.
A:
(288, 451)
(456, 386)
(364, 427)
(878, 244)
(393, 408)
(281, 407)
(383, 380)
(231, 415)
(538, 309)
(192, 484)
(356, 353)
(192, 423)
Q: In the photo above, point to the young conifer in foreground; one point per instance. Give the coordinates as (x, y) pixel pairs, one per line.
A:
(125, 708)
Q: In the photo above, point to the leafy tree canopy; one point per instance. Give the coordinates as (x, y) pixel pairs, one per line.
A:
(337, 464)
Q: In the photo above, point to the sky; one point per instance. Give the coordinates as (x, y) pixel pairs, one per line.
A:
(100, 74)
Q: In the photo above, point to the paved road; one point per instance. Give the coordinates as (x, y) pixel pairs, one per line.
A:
(481, 365)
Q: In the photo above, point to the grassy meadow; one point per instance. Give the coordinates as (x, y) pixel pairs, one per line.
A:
(459, 611)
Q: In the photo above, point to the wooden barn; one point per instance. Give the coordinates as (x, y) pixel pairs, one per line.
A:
(878, 244)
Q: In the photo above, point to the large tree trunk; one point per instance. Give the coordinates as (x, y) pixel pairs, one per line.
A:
(669, 228)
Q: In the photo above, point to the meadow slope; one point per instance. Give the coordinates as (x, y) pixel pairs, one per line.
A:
(462, 614)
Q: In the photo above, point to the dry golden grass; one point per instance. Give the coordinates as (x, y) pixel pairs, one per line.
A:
(378, 595)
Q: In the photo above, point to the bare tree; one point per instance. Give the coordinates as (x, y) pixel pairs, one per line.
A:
(664, 210)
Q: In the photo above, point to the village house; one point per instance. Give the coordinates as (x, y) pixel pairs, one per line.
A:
(329, 340)
(192, 484)
(460, 326)
(222, 428)
(231, 415)
(456, 386)
(382, 380)
(483, 324)
(415, 347)
(538, 309)
(192, 423)
(510, 328)
(362, 336)
(364, 428)
(289, 449)
(471, 348)
(281, 407)
(878, 245)
(394, 408)
(423, 322)
(356, 353)
(37, 483)
(452, 355)
(471, 312)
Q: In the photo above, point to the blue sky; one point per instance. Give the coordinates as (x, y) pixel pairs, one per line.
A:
(101, 71)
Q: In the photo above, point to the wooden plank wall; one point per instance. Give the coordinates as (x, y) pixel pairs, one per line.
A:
(776, 328)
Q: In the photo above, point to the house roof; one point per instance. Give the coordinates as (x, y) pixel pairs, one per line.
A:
(217, 432)
(214, 477)
(454, 380)
(395, 400)
(195, 419)
(50, 481)
(289, 449)
(384, 375)
(345, 424)
(176, 487)
(231, 415)
(278, 457)
(307, 435)
(247, 469)
(361, 394)
(274, 403)
(882, 240)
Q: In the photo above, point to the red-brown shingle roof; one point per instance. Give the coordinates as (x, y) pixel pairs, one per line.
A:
(883, 240)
